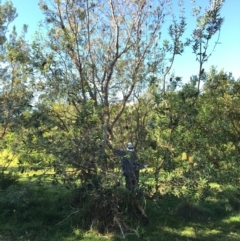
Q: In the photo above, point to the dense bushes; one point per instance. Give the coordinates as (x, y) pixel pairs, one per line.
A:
(107, 207)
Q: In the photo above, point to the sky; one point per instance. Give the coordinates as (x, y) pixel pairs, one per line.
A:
(226, 55)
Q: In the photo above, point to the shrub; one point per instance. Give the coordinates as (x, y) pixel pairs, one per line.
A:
(105, 208)
(192, 212)
(7, 180)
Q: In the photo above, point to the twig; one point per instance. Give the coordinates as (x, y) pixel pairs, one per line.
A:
(67, 217)
(120, 226)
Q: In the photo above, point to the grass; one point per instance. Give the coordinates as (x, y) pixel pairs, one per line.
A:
(42, 211)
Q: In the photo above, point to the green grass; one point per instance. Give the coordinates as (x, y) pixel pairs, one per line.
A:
(44, 212)
(41, 211)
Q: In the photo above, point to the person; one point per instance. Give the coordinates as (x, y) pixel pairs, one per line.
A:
(130, 167)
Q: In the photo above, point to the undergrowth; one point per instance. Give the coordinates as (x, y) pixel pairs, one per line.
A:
(44, 211)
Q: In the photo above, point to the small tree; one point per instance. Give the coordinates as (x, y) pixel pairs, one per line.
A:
(15, 91)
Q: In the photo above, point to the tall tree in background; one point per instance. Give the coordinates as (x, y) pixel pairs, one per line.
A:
(7, 15)
(15, 88)
(208, 25)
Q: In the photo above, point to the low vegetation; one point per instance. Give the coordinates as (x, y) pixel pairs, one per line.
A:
(46, 211)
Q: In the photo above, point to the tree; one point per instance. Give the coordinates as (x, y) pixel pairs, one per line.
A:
(8, 14)
(208, 24)
(15, 91)
(105, 54)
(98, 51)
(173, 124)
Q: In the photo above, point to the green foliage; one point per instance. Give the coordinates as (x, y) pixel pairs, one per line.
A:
(79, 119)
(7, 15)
(192, 212)
(232, 194)
(200, 126)
(29, 207)
(59, 215)
(16, 93)
(109, 208)
(8, 179)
